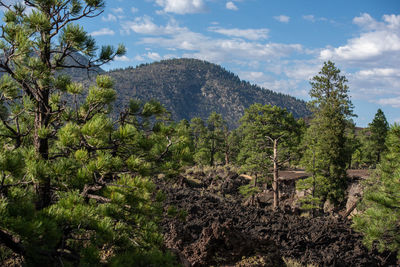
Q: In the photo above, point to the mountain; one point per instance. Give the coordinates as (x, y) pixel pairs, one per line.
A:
(193, 88)
(78, 74)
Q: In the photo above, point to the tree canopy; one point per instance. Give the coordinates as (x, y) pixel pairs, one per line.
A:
(270, 136)
(380, 207)
(75, 184)
(326, 154)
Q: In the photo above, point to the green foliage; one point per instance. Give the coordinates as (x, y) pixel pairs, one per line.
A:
(248, 190)
(370, 142)
(75, 185)
(380, 207)
(327, 149)
(259, 127)
(193, 88)
(172, 211)
(312, 200)
(209, 139)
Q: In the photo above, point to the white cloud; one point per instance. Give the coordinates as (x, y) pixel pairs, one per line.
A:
(182, 6)
(394, 102)
(153, 56)
(282, 18)
(145, 25)
(118, 10)
(134, 10)
(122, 58)
(252, 75)
(372, 83)
(373, 58)
(231, 6)
(381, 72)
(312, 18)
(139, 58)
(266, 80)
(103, 31)
(222, 50)
(302, 70)
(380, 41)
(250, 34)
(309, 18)
(197, 45)
(109, 17)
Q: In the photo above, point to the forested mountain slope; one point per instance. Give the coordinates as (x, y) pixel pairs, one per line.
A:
(193, 88)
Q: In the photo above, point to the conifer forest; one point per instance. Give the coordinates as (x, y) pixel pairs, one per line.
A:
(85, 182)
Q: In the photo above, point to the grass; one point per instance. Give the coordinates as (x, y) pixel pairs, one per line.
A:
(294, 263)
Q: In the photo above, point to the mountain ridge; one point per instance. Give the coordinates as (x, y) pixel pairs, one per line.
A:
(194, 88)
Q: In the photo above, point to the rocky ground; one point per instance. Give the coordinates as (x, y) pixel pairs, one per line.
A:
(210, 223)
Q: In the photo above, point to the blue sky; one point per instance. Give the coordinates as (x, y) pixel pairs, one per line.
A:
(278, 45)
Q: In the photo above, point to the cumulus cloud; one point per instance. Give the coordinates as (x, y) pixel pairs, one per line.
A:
(231, 6)
(250, 34)
(108, 18)
(394, 102)
(380, 72)
(122, 58)
(282, 18)
(139, 58)
(309, 18)
(145, 25)
(118, 10)
(373, 58)
(103, 31)
(153, 56)
(182, 6)
(234, 47)
(220, 50)
(378, 40)
(312, 18)
(372, 83)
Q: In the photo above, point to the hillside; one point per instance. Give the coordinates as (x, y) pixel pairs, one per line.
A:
(193, 88)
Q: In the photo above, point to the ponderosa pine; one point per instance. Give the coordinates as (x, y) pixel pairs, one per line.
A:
(270, 135)
(74, 184)
(379, 215)
(209, 139)
(326, 154)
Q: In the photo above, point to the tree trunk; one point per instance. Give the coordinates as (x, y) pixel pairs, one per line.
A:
(42, 150)
(275, 185)
(313, 175)
(313, 186)
(226, 157)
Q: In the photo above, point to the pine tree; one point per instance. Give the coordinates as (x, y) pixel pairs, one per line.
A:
(378, 129)
(270, 135)
(379, 218)
(74, 184)
(326, 154)
(209, 139)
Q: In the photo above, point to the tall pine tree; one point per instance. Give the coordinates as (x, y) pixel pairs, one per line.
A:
(270, 135)
(379, 217)
(326, 155)
(378, 128)
(209, 139)
(74, 185)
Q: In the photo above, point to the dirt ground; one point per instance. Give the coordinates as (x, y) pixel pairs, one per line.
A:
(211, 226)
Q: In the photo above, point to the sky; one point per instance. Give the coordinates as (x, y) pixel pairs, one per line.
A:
(279, 45)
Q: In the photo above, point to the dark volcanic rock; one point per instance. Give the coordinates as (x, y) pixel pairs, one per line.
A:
(221, 231)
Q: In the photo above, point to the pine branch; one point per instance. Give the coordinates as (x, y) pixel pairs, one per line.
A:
(11, 242)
